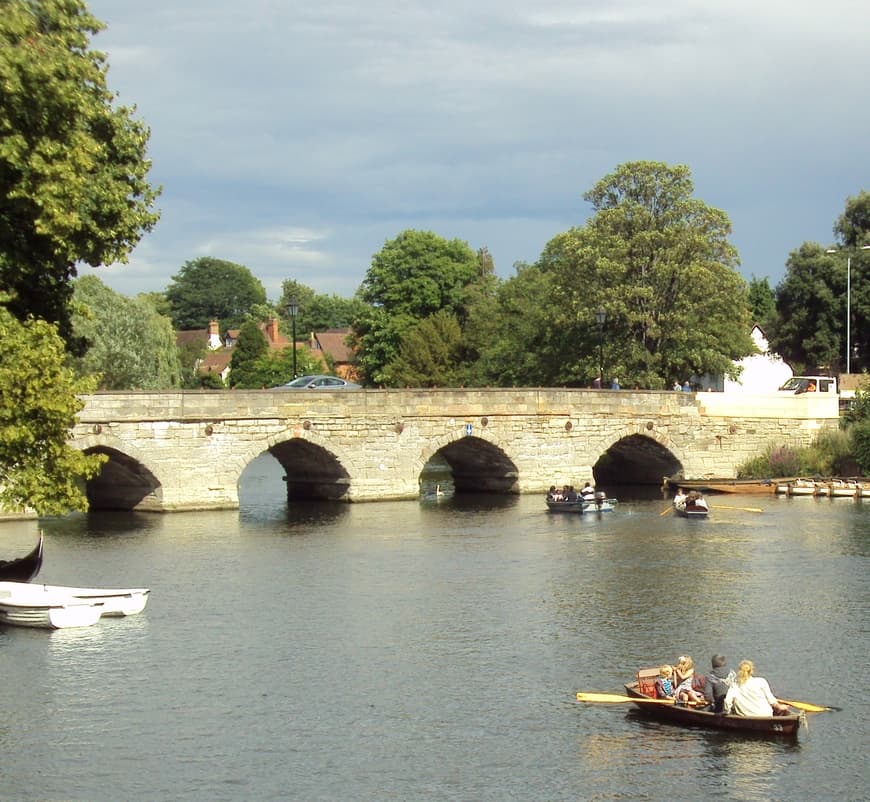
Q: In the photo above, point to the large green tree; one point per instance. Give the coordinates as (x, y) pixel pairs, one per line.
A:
(73, 163)
(413, 276)
(129, 345)
(207, 289)
(658, 262)
(38, 407)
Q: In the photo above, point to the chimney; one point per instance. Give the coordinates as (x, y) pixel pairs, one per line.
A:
(214, 337)
(272, 329)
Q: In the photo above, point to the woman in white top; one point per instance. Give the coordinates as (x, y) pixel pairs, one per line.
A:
(751, 696)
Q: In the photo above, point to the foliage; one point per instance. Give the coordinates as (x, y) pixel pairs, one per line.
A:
(275, 367)
(38, 407)
(762, 302)
(859, 409)
(861, 445)
(810, 304)
(210, 381)
(852, 228)
(129, 345)
(208, 289)
(73, 165)
(659, 263)
(519, 335)
(429, 354)
(413, 276)
(315, 312)
(250, 345)
(831, 454)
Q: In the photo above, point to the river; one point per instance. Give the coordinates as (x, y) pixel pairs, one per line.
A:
(432, 650)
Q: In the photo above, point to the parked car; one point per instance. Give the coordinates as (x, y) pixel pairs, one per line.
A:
(319, 383)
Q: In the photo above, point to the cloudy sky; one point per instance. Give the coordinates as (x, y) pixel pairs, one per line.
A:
(297, 137)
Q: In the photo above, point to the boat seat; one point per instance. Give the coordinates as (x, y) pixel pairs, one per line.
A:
(646, 681)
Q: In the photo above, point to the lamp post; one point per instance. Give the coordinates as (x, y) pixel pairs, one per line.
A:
(293, 307)
(848, 305)
(601, 319)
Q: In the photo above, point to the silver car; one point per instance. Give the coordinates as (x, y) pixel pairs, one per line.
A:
(319, 383)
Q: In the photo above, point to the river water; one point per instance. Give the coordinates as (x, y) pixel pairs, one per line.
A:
(432, 650)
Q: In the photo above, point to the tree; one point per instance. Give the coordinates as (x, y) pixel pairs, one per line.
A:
(250, 345)
(430, 353)
(810, 306)
(38, 408)
(762, 302)
(659, 263)
(315, 312)
(413, 276)
(73, 165)
(129, 345)
(208, 289)
(275, 367)
(852, 228)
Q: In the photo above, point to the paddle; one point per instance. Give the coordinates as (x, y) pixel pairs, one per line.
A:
(745, 509)
(584, 696)
(808, 706)
(665, 512)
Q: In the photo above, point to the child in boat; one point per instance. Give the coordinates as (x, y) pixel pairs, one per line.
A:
(664, 686)
(684, 674)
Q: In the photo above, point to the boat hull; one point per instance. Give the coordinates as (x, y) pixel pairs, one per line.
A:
(770, 726)
(580, 506)
(59, 606)
(696, 512)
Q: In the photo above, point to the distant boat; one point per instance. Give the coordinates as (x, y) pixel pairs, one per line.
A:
(724, 485)
(24, 568)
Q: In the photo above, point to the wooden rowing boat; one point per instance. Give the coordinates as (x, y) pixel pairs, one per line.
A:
(772, 726)
(720, 485)
(691, 511)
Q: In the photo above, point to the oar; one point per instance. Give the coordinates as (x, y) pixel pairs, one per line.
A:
(583, 696)
(808, 706)
(665, 512)
(745, 509)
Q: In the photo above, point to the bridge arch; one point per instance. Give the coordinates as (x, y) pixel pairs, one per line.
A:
(479, 463)
(123, 483)
(636, 455)
(313, 468)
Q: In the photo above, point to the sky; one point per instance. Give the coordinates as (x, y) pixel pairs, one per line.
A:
(296, 138)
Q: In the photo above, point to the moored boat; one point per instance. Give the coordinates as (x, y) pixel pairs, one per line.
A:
(685, 716)
(58, 606)
(720, 485)
(23, 569)
(802, 487)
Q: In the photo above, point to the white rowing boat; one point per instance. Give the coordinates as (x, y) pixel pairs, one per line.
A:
(58, 607)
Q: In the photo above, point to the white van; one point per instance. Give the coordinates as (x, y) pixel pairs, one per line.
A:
(809, 384)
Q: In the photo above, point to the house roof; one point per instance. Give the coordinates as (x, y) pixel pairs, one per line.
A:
(332, 342)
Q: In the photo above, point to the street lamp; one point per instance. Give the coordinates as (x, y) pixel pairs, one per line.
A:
(848, 305)
(293, 307)
(601, 319)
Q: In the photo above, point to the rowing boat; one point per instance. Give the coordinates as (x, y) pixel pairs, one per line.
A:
(773, 726)
(579, 506)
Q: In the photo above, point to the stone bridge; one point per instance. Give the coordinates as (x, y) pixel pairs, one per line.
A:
(187, 450)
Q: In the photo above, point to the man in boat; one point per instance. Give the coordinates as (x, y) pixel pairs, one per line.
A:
(719, 679)
(680, 499)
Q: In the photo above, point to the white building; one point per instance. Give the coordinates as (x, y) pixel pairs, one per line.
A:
(765, 372)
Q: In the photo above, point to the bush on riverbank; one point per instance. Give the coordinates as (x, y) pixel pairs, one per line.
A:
(833, 453)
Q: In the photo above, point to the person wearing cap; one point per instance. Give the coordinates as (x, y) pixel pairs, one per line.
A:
(719, 679)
